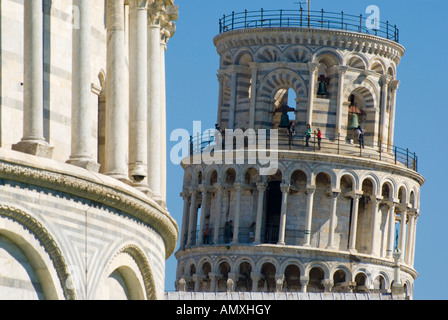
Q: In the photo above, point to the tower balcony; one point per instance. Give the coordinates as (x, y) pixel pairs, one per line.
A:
(304, 19)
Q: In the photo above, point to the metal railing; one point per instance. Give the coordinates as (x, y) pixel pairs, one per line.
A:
(304, 19)
(328, 144)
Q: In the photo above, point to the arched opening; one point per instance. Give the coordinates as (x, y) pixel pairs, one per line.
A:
(360, 280)
(229, 206)
(284, 108)
(273, 208)
(205, 284)
(223, 276)
(292, 278)
(379, 284)
(315, 283)
(190, 281)
(339, 281)
(365, 218)
(344, 212)
(321, 211)
(267, 281)
(244, 282)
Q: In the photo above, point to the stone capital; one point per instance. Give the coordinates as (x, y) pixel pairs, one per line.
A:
(313, 67)
(261, 186)
(394, 84)
(285, 187)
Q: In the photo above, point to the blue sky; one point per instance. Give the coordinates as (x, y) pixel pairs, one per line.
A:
(422, 110)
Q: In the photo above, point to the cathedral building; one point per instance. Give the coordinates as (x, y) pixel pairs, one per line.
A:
(339, 212)
(83, 210)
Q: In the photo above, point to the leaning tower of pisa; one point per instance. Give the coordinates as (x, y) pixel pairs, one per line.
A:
(338, 214)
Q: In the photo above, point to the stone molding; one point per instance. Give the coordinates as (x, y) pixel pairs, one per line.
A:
(305, 36)
(123, 199)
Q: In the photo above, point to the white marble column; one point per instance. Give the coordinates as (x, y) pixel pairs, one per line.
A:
(116, 126)
(233, 95)
(410, 237)
(219, 190)
(309, 214)
(138, 94)
(282, 228)
(375, 220)
(81, 139)
(391, 229)
(394, 87)
(384, 96)
(185, 224)
(333, 218)
(402, 237)
(192, 221)
(313, 68)
(236, 222)
(253, 94)
(342, 70)
(261, 186)
(354, 223)
(204, 191)
(33, 141)
(154, 102)
(163, 139)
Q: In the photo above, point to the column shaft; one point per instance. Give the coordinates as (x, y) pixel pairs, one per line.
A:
(154, 106)
(203, 215)
(354, 223)
(33, 141)
(261, 190)
(402, 241)
(138, 95)
(116, 127)
(236, 224)
(333, 220)
(373, 243)
(217, 214)
(309, 215)
(81, 136)
(192, 219)
(313, 67)
(390, 238)
(33, 71)
(282, 227)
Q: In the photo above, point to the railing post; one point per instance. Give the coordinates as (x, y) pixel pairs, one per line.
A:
(261, 17)
(245, 18)
(301, 16)
(407, 158)
(395, 152)
(281, 15)
(387, 29)
(233, 19)
(322, 22)
(342, 20)
(360, 23)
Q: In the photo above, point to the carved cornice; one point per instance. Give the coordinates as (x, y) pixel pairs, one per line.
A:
(124, 200)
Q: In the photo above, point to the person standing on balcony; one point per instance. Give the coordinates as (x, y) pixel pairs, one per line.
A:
(308, 135)
(319, 136)
(291, 133)
(360, 133)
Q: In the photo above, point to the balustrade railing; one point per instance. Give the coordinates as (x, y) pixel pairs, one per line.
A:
(328, 144)
(308, 19)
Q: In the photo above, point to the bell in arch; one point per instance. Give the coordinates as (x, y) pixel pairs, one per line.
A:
(353, 121)
(323, 82)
